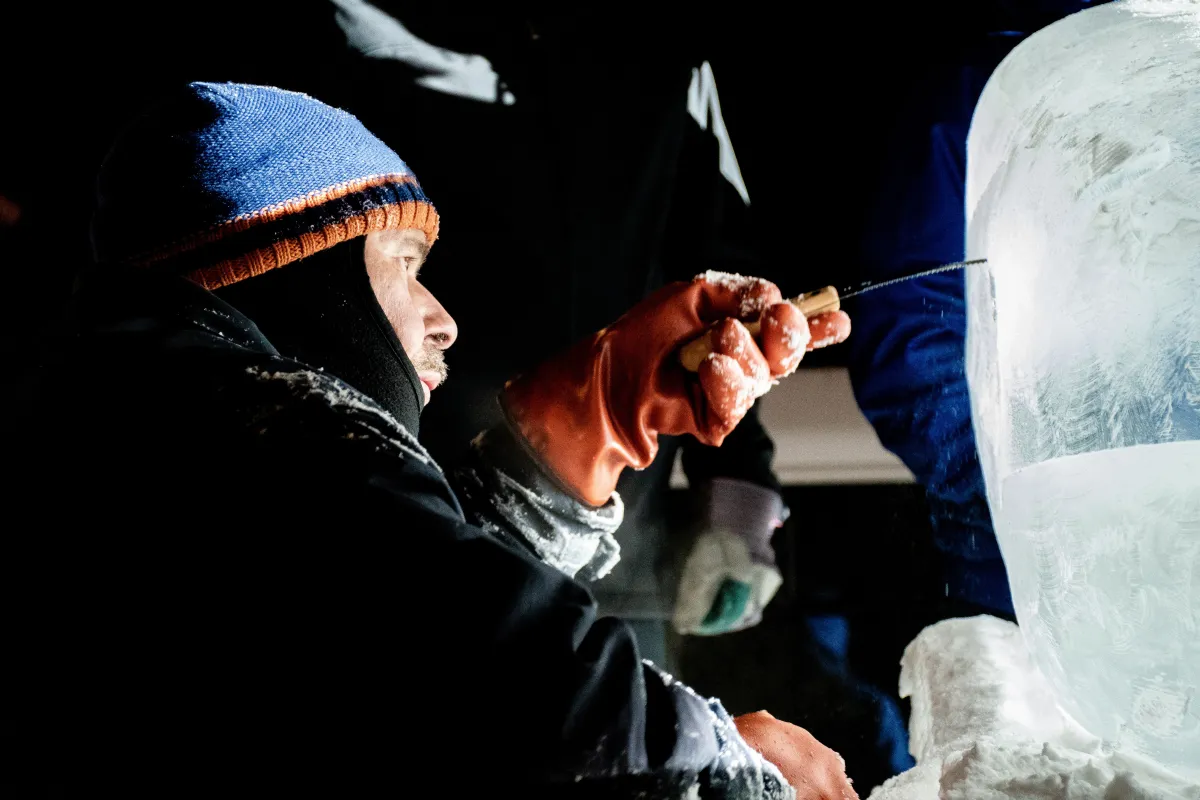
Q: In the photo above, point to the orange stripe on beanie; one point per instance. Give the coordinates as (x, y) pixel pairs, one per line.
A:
(223, 182)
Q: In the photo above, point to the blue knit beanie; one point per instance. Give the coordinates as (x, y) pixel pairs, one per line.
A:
(222, 182)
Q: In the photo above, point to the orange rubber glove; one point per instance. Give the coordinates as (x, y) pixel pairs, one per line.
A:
(813, 770)
(600, 406)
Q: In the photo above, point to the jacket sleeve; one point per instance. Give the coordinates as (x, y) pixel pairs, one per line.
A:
(908, 347)
(546, 693)
(302, 608)
(505, 492)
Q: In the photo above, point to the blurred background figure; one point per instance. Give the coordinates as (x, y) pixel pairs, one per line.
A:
(880, 149)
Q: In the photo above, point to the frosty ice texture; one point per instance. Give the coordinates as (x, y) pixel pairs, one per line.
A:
(1104, 555)
(985, 726)
(1083, 191)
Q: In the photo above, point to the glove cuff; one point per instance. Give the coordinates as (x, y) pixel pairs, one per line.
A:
(510, 494)
(560, 413)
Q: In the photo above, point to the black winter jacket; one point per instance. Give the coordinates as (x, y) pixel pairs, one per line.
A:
(236, 576)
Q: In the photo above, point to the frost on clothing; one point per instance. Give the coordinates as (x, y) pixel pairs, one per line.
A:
(511, 497)
(319, 387)
(985, 726)
(796, 338)
(742, 373)
(751, 288)
(743, 772)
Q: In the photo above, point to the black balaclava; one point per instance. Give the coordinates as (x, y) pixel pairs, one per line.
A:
(322, 311)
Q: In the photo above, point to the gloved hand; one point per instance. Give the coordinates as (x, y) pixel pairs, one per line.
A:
(730, 575)
(600, 406)
(813, 770)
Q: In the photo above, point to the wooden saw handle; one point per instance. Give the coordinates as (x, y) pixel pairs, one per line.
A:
(811, 304)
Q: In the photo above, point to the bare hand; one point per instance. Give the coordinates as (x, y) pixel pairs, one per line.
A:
(815, 771)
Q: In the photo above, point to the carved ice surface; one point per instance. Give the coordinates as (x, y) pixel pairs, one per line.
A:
(1104, 550)
(1083, 192)
(985, 726)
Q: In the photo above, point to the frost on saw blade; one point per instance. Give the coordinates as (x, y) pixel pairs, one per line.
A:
(1083, 192)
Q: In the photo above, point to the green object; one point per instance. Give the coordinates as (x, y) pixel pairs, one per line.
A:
(728, 606)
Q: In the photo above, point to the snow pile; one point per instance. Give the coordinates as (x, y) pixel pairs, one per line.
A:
(985, 726)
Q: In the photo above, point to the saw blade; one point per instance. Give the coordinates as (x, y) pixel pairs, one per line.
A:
(870, 286)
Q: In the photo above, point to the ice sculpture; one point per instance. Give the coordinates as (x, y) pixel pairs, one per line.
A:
(1083, 191)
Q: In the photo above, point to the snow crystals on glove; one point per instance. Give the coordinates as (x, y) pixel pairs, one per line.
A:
(739, 390)
(795, 338)
(753, 302)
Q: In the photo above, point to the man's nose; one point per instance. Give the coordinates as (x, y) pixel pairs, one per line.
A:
(440, 327)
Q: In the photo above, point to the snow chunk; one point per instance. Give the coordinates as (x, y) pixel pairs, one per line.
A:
(985, 726)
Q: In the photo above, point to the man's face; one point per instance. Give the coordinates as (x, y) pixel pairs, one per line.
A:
(394, 260)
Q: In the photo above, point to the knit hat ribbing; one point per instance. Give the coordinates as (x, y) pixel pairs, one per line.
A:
(228, 181)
